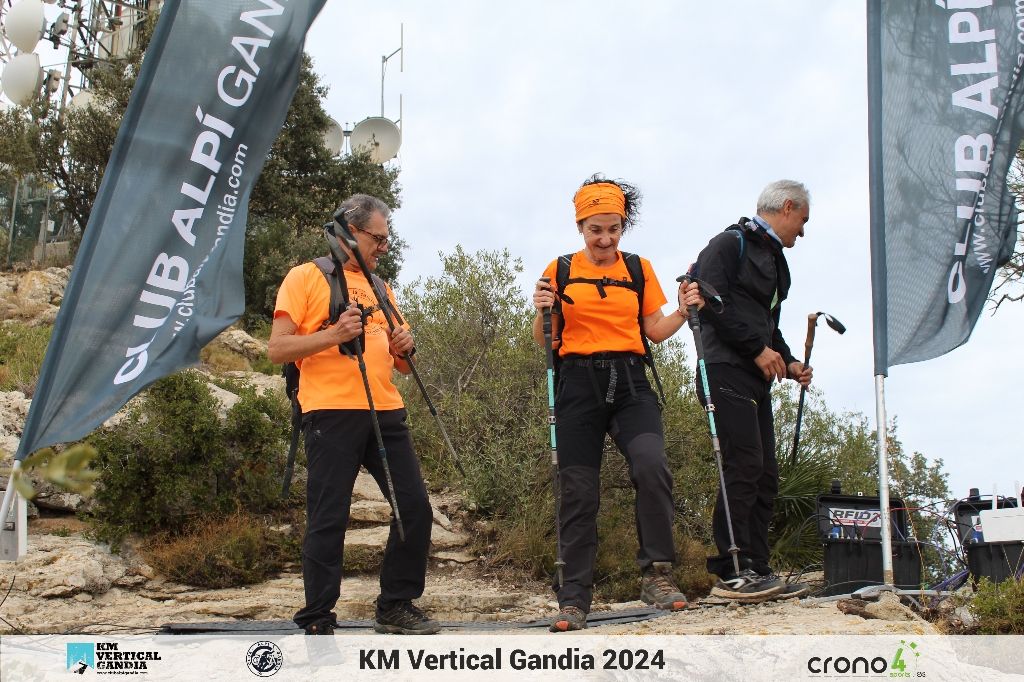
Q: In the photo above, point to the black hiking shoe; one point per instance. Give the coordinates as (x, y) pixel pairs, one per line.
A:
(658, 588)
(403, 618)
(792, 590)
(321, 627)
(569, 618)
(748, 586)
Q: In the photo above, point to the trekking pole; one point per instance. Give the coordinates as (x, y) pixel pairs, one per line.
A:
(390, 314)
(294, 444)
(556, 479)
(380, 439)
(693, 317)
(812, 324)
(381, 450)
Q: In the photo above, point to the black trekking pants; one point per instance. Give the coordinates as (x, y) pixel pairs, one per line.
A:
(633, 420)
(337, 443)
(746, 430)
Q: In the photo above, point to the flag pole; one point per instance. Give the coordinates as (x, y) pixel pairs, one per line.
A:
(879, 307)
(9, 493)
(883, 479)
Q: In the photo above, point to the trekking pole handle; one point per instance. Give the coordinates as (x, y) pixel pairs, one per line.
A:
(812, 325)
(692, 314)
(547, 311)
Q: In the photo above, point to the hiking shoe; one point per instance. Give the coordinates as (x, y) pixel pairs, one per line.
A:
(793, 591)
(569, 618)
(790, 591)
(658, 588)
(748, 586)
(321, 627)
(403, 618)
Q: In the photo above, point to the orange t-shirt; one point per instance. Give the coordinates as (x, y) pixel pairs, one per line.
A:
(329, 380)
(593, 324)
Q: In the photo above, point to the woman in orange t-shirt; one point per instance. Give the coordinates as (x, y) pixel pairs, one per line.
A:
(603, 388)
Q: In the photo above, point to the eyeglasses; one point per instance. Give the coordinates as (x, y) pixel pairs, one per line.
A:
(382, 240)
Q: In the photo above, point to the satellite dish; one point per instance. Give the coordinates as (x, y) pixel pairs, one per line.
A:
(23, 77)
(82, 100)
(379, 135)
(25, 24)
(334, 137)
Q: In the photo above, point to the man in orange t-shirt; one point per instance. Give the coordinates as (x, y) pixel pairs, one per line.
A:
(339, 433)
(603, 389)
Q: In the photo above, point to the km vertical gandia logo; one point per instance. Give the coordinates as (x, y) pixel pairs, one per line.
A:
(902, 664)
(81, 656)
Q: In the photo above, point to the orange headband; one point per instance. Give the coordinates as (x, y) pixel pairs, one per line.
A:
(601, 197)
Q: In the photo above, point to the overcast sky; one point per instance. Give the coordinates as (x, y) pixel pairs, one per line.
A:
(509, 106)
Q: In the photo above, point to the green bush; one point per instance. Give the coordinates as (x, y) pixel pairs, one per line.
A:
(172, 461)
(21, 353)
(999, 607)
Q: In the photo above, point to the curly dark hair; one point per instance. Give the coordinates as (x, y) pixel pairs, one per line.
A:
(631, 192)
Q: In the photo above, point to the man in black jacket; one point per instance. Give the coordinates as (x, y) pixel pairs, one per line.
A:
(744, 352)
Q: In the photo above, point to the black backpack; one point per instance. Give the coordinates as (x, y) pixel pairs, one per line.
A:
(635, 283)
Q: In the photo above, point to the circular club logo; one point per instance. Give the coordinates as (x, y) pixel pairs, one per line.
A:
(264, 659)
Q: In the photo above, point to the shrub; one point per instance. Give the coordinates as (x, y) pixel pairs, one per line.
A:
(21, 353)
(999, 607)
(237, 550)
(172, 461)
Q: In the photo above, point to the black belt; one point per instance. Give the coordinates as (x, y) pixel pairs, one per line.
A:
(607, 360)
(604, 360)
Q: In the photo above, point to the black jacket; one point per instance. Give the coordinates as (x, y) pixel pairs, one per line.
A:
(753, 282)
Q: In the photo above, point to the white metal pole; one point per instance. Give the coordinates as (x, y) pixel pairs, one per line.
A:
(9, 493)
(14, 211)
(883, 479)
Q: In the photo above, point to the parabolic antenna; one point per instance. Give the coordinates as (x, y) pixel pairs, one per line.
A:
(23, 77)
(334, 137)
(81, 100)
(379, 135)
(25, 24)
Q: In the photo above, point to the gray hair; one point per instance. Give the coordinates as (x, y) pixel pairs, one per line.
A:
(777, 193)
(359, 208)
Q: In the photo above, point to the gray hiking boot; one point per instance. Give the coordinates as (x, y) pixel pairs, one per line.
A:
(658, 588)
(403, 618)
(792, 590)
(748, 586)
(569, 618)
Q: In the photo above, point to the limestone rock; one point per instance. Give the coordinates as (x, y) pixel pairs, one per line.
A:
(33, 296)
(366, 489)
(237, 341)
(59, 567)
(889, 607)
(370, 511)
(262, 382)
(53, 498)
(226, 399)
(13, 411)
(366, 538)
(444, 539)
(440, 519)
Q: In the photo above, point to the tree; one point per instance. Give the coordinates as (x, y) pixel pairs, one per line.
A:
(843, 446)
(1010, 276)
(295, 194)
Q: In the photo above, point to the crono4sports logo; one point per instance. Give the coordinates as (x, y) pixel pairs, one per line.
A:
(902, 664)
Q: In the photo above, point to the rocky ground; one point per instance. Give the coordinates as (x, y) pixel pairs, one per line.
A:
(68, 583)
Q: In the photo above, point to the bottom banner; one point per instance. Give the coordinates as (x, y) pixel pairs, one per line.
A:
(520, 657)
